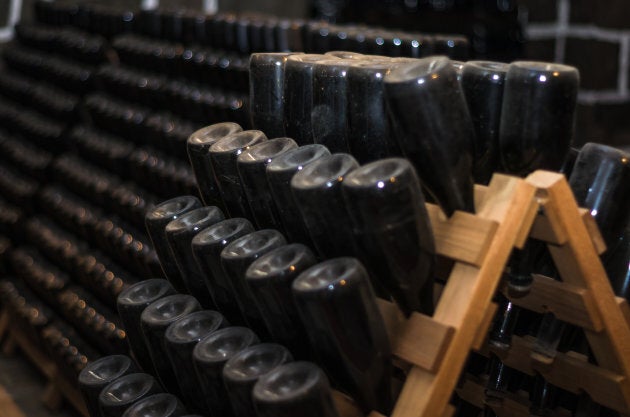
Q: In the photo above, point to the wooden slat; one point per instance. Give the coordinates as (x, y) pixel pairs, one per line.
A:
(4, 322)
(52, 397)
(33, 353)
(625, 309)
(345, 406)
(463, 237)
(8, 408)
(579, 264)
(57, 383)
(593, 231)
(473, 391)
(422, 342)
(71, 393)
(466, 297)
(449, 411)
(569, 303)
(530, 216)
(418, 340)
(482, 334)
(569, 372)
(480, 195)
(544, 230)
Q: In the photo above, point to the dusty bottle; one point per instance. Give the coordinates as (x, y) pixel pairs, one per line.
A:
(155, 319)
(209, 358)
(198, 145)
(156, 221)
(179, 235)
(296, 388)
(131, 302)
(338, 309)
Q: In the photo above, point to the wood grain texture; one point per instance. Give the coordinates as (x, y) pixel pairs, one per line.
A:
(463, 237)
(579, 264)
(346, 407)
(466, 297)
(569, 372)
(57, 383)
(545, 231)
(482, 334)
(418, 340)
(8, 408)
(568, 302)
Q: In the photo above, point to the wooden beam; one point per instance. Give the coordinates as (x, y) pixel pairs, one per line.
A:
(463, 237)
(569, 303)
(8, 408)
(578, 262)
(569, 372)
(466, 297)
(545, 231)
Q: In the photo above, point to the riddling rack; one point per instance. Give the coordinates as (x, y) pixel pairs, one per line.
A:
(433, 350)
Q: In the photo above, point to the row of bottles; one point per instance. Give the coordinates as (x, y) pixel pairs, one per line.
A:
(374, 107)
(70, 259)
(114, 386)
(309, 195)
(252, 144)
(214, 68)
(247, 33)
(225, 262)
(215, 368)
(74, 44)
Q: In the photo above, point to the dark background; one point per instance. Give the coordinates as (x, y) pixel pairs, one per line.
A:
(589, 34)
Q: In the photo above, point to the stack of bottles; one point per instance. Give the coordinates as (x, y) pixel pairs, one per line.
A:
(279, 224)
(94, 130)
(61, 272)
(372, 215)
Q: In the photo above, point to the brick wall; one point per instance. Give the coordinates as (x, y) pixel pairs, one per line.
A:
(594, 36)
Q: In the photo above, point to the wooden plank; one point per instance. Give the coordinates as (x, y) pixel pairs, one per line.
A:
(472, 391)
(422, 341)
(463, 237)
(569, 303)
(71, 394)
(466, 297)
(8, 408)
(544, 230)
(625, 309)
(569, 372)
(593, 230)
(547, 226)
(530, 216)
(9, 345)
(482, 334)
(4, 322)
(393, 318)
(57, 382)
(52, 398)
(449, 411)
(33, 353)
(418, 340)
(345, 406)
(480, 195)
(579, 264)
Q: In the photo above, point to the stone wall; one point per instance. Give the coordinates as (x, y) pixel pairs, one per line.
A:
(594, 36)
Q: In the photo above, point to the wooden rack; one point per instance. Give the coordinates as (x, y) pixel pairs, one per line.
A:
(58, 387)
(433, 350)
